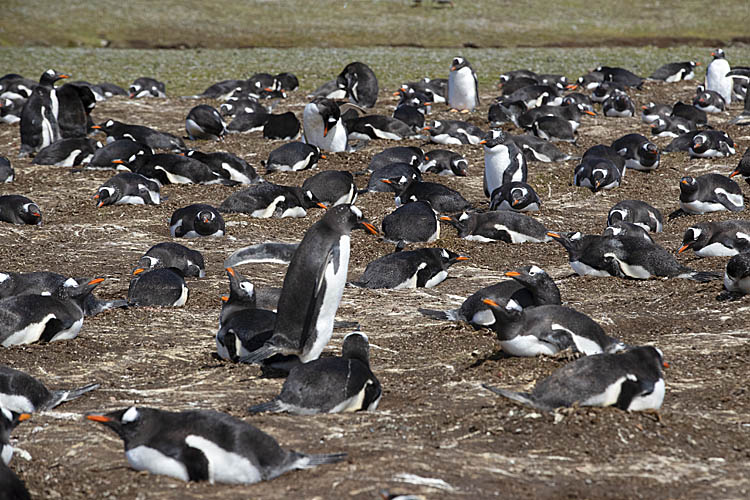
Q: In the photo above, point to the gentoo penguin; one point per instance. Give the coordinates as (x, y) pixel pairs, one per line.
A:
(196, 220)
(293, 157)
(203, 445)
(553, 129)
(66, 152)
(32, 318)
(169, 254)
(596, 173)
(737, 277)
(22, 393)
(414, 222)
(323, 127)
(360, 84)
(454, 132)
(503, 161)
(328, 90)
(570, 112)
(242, 105)
(144, 135)
(7, 174)
(220, 90)
(631, 381)
(709, 101)
(531, 286)
(743, 167)
(229, 166)
(275, 252)
(618, 105)
(331, 188)
(445, 162)
(548, 329)
(639, 152)
(410, 155)
(39, 127)
(652, 111)
(463, 89)
(75, 104)
(330, 385)
(11, 487)
(442, 198)
(709, 193)
(504, 225)
(412, 108)
(147, 87)
(110, 89)
(127, 188)
(287, 81)
(503, 111)
(579, 99)
(517, 196)
(606, 90)
(690, 112)
(672, 126)
(717, 239)
(164, 286)
(124, 150)
(171, 168)
(625, 257)
(620, 76)
(716, 76)
(636, 212)
(391, 171)
(622, 229)
(379, 127)
(204, 122)
(536, 95)
(281, 126)
(421, 268)
(18, 209)
(674, 72)
(537, 149)
(711, 144)
(604, 152)
(589, 81)
(266, 199)
(15, 86)
(313, 285)
(244, 122)
(11, 109)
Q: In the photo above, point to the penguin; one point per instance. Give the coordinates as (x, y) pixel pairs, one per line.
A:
(442, 198)
(293, 157)
(66, 152)
(504, 111)
(170, 168)
(283, 126)
(537, 149)
(313, 285)
(204, 122)
(287, 81)
(627, 229)
(504, 225)
(169, 254)
(589, 81)
(75, 104)
(391, 171)
(147, 87)
(7, 174)
(675, 72)
(716, 76)
(625, 257)
(445, 162)
(14, 86)
(220, 90)
(110, 90)
(97, 92)
(144, 135)
(618, 105)
(411, 155)
(691, 113)
(11, 487)
(517, 73)
(709, 101)
(164, 286)
(578, 98)
(608, 153)
(331, 188)
(553, 129)
(260, 83)
(743, 167)
(620, 76)
(31, 318)
(517, 196)
(321, 121)
(631, 381)
(248, 122)
(673, 126)
(548, 329)
(266, 200)
(227, 165)
(597, 173)
(737, 277)
(270, 251)
(379, 127)
(743, 118)
(717, 239)
(22, 393)
(454, 132)
(709, 193)
(11, 109)
(570, 112)
(360, 84)
(421, 268)
(606, 90)
(241, 105)
(123, 150)
(203, 445)
(636, 212)
(18, 209)
(503, 161)
(652, 111)
(711, 144)
(536, 95)
(127, 188)
(463, 87)
(530, 286)
(39, 126)
(328, 90)
(411, 110)
(196, 220)
(414, 222)
(639, 153)
(330, 385)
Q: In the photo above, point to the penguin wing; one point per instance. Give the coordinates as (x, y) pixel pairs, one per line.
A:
(631, 388)
(476, 85)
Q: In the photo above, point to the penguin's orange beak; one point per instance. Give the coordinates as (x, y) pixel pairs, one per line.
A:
(453, 68)
(572, 86)
(644, 107)
(138, 271)
(369, 227)
(683, 247)
(462, 257)
(553, 235)
(490, 302)
(320, 205)
(482, 142)
(64, 76)
(99, 418)
(736, 172)
(325, 131)
(97, 127)
(684, 182)
(445, 217)
(224, 298)
(387, 181)
(665, 364)
(95, 281)
(118, 162)
(426, 127)
(324, 157)
(230, 271)
(588, 112)
(515, 202)
(24, 416)
(513, 274)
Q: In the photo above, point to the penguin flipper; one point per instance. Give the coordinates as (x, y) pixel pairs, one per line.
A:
(59, 397)
(257, 357)
(270, 406)
(195, 462)
(315, 460)
(701, 276)
(519, 397)
(270, 251)
(92, 306)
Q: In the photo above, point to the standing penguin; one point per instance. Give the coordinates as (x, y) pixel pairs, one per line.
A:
(313, 286)
(39, 127)
(321, 121)
(463, 90)
(360, 84)
(716, 76)
(503, 161)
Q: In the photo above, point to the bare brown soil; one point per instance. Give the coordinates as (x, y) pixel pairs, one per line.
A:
(435, 421)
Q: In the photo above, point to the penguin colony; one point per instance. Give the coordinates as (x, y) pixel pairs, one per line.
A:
(538, 119)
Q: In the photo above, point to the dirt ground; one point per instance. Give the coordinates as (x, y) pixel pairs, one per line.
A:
(437, 432)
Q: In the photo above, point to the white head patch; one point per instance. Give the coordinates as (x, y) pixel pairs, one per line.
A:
(436, 124)
(357, 333)
(131, 415)
(534, 270)
(512, 305)
(247, 287)
(464, 216)
(356, 211)
(109, 123)
(696, 232)
(444, 253)
(4, 277)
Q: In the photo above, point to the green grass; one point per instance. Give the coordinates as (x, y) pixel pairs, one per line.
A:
(328, 23)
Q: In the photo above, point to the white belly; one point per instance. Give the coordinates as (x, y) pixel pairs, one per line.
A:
(154, 461)
(30, 333)
(224, 466)
(69, 333)
(462, 90)
(651, 401)
(527, 345)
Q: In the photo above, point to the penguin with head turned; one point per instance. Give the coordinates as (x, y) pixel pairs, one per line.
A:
(323, 127)
(360, 84)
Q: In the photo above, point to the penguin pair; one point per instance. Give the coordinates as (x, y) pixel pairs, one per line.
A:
(709, 193)
(66, 152)
(22, 393)
(169, 254)
(638, 151)
(266, 200)
(421, 268)
(227, 165)
(147, 87)
(454, 132)
(415, 222)
(127, 188)
(675, 71)
(636, 212)
(293, 157)
(442, 198)
(507, 226)
(193, 445)
(463, 87)
(196, 220)
(717, 239)
(504, 161)
(204, 122)
(672, 126)
(234, 106)
(631, 381)
(503, 111)
(571, 112)
(139, 133)
(18, 209)
(518, 196)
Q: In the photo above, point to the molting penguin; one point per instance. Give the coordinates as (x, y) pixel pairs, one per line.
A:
(639, 152)
(169, 254)
(159, 287)
(709, 193)
(39, 126)
(204, 122)
(636, 212)
(267, 199)
(505, 225)
(674, 72)
(22, 393)
(151, 437)
(128, 188)
(227, 165)
(331, 188)
(313, 286)
(323, 127)
(630, 381)
(360, 84)
(330, 385)
(517, 196)
(18, 209)
(503, 161)
(716, 76)
(421, 268)
(414, 222)
(717, 239)
(147, 87)
(66, 152)
(293, 156)
(463, 90)
(196, 220)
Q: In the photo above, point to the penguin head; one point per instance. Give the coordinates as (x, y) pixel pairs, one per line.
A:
(718, 54)
(8, 421)
(459, 63)
(459, 166)
(436, 127)
(106, 195)
(240, 289)
(648, 356)
(695, 235)
(700, 143)
(649, 149)
(30, 214)
(492, 139)
(688, 184)
(508, 314)
(528, 275)
(50, 76)
(128, 423)
(148, 262)
(79, 292)
(601, 175)
(356, 346)
(448, 258)
(518, 195)
(345, 218)
(329, 112)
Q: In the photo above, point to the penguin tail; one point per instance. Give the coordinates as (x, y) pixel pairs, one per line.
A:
(257, 356)
(271, 252)
(701, 276)
(97, 306)
(269, 406)
(447, 315)
(677, 213)
(59, 397)
(517, 396)
(309, 461)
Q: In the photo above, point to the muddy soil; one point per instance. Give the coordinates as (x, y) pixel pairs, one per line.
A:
(437, 432)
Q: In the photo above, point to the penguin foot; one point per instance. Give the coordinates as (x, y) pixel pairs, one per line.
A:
(453, 110)
(465, 111)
